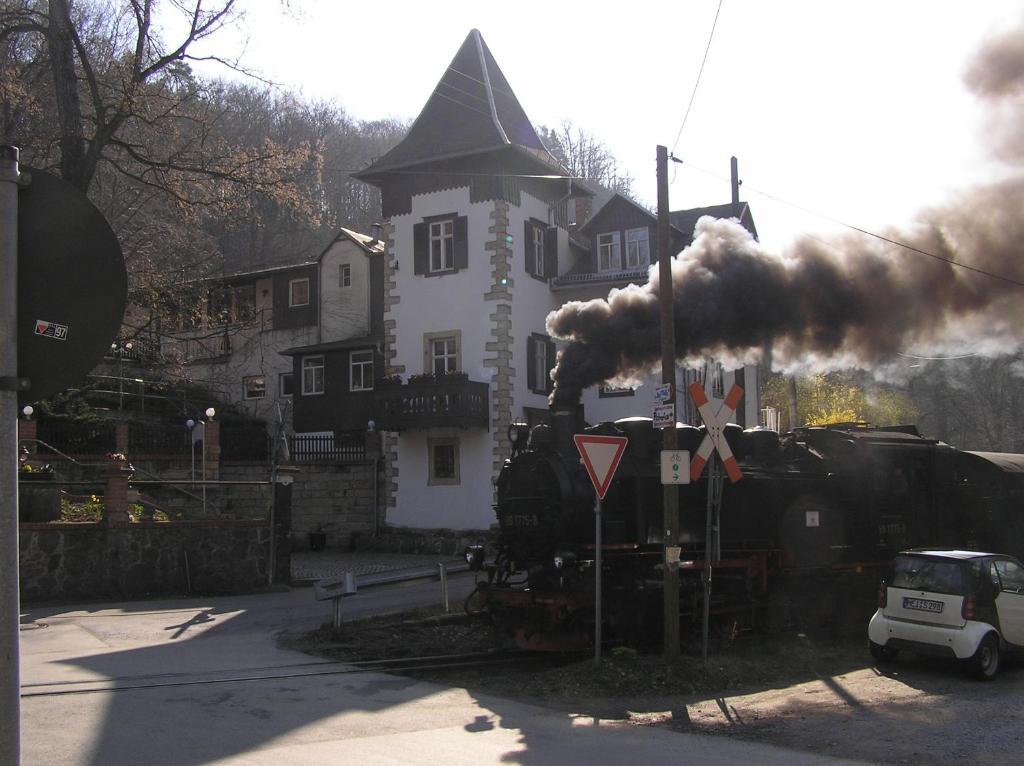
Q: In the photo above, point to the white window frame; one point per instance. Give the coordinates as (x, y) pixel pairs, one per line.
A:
(361, 361)
(538, 251)
(444, 350)
(609, 390)
(280, 385)
(429, 356)
(345, 275)
(258, 392)
(609, 252)
(433, 480)
(292, 284)
(314, 375)
(637, 256)
(441, 249)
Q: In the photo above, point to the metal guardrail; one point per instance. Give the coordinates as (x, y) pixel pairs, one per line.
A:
(346, 584)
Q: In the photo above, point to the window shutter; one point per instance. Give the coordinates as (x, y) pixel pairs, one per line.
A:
(420, 247)
(461, 232)
(531, 363)
(549, 384)
(551, 252)
(531, 255)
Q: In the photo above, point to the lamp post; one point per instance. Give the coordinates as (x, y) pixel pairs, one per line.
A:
(190, 424)
(210, 412)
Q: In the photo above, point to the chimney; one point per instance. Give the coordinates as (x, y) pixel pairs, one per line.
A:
(735, 180)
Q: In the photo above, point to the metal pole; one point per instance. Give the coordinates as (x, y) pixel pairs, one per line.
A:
(204, 472)
(670, 439)
(597, 582)
(443, 572)
(10, 678)
(709, 546)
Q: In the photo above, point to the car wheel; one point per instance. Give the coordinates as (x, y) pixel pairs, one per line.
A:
(985, 663)
(883, 653)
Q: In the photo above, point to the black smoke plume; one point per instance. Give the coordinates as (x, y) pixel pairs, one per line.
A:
(856, 301)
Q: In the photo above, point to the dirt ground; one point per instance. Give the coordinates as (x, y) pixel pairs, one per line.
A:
(794, 690)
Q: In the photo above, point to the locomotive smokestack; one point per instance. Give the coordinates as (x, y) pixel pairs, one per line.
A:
(955, 279)
(566, 420)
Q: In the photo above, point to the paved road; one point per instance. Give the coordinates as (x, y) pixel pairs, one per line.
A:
(201, 681)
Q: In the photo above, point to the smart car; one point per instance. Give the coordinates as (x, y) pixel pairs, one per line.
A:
(963, 604)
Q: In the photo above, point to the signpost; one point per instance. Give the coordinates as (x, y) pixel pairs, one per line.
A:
(601, 456)
(714, 441)
(63, 288)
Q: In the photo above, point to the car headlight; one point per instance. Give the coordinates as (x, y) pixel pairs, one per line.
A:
(564, 560)
(474, 555)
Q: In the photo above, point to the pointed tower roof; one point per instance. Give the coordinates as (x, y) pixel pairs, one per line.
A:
(471, 111)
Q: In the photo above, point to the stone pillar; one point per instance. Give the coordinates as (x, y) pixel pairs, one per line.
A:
(28, 432)
(115, 498)
(121, 438)
(212, 438)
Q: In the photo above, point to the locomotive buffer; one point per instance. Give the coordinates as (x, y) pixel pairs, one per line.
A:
(714, 441)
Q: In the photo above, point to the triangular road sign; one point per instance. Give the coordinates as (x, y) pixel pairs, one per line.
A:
(601, 456)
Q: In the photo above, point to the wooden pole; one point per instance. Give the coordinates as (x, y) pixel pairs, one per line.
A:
(669, 437)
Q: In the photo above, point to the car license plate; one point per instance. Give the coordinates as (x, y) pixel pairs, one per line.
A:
(922, 604)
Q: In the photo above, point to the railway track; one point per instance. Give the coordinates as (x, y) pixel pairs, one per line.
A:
(295, 670)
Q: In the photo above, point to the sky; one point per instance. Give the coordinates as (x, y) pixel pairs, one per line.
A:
(849, 112)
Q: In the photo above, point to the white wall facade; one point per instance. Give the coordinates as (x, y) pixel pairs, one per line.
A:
(344, 310)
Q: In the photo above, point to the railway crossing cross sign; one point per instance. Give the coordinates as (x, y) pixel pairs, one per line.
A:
(601, 456)
(715, 438)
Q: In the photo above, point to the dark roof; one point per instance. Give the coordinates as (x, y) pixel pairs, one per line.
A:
(337, 345)
(686, 220)
(472, 110)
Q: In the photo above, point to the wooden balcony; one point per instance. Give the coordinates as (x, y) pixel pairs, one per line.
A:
(420, 405)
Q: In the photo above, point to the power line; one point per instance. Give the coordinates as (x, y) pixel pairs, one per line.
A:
(696, 83)
(866, 232)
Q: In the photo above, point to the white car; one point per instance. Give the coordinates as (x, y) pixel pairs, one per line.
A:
(963, 604)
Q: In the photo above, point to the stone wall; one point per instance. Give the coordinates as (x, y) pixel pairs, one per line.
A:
(101, 561)
(338, 500)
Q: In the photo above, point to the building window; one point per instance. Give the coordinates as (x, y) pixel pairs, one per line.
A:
(609, 257)
(442, 246)
(540, 358)
(298, 292)
(285, 384)
(361, 368)
(254, 386)
(312, 375)
(345, 275)
(443, 456)
(638, 250)
(538, 251)
(607, 390)
(442, 353)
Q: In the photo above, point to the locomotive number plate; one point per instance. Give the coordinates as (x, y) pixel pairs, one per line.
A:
(922, 604)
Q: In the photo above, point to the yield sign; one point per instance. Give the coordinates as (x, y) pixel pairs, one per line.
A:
(601, 456)
(715, 438)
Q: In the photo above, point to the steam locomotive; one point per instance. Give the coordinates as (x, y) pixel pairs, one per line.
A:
(802, 537)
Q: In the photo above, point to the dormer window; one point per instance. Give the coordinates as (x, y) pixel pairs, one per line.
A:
(609, 256)
(638, 249)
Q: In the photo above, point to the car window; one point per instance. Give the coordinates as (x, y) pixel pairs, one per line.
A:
(936, 576)
(1011, 575)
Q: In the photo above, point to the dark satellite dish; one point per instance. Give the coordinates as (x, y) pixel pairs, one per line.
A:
(72, 285)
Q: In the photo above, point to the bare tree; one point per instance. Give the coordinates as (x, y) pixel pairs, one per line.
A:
(585, 156)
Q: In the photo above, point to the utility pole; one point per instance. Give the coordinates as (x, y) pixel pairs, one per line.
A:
(670, 439)
(10, 678)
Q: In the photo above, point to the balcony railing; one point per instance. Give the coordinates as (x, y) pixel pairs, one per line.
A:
(461, 403)
(636, 276)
